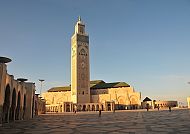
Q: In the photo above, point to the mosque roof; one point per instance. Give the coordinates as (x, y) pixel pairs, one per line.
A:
(109, 85)
(96, 84)
(59, 89)
(147, 99)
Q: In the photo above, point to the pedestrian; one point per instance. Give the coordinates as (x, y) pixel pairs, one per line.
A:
(100, 113)
(170, 109)
(147, 106)
(158, 107)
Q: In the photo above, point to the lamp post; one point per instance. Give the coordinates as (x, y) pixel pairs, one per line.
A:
(41, 81)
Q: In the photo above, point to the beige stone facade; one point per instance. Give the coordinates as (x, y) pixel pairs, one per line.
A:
(120, 96)
(80, 68)
(16, 96)
(84, 95)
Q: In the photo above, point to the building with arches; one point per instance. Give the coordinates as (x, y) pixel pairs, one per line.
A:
(16, 96)
(86, 95)
(104, 96)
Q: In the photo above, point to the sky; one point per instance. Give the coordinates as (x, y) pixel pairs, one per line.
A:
(143, 43)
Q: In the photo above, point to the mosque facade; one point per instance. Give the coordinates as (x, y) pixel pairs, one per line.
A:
(86, 95)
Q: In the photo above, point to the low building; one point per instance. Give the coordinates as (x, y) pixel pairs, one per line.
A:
(165, 104)
(147, 102)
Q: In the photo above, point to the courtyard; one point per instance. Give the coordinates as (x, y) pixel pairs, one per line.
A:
(132, 122)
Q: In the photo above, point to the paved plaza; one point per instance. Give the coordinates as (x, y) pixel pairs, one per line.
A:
(131, 122)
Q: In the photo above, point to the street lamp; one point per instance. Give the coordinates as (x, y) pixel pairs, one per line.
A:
(41, 81)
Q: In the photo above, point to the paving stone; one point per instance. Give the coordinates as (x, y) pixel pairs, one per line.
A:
(120, 122)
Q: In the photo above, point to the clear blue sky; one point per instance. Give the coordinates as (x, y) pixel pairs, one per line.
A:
(144, 43)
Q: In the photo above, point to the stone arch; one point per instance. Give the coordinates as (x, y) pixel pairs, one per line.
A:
(13, 106)
(102, 107)
(121, 103)
(93, 108)
(17, 115)
(6, 104)
(82, 52)
(109, 106)
(84, 108)
(24, 107)
(88, 107)
(133, 100)
(97, 107)
(67, 107)
(121, 100)
(79, 107)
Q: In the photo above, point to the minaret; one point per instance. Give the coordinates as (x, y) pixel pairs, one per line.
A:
(80, 68)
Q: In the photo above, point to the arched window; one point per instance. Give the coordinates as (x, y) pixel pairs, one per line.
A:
(82, 52)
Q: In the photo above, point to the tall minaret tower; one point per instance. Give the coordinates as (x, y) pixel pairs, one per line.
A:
(80, 67)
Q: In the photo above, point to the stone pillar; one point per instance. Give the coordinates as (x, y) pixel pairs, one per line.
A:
(63, 107)
(30, 91)
(70, 107)
(3, 72)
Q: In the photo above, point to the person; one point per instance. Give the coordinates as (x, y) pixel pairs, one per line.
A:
(100, 112)
(147, 106)
(75, 109)
(170, 109)
(158, 107)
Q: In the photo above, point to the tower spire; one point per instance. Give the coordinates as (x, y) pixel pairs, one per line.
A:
(80, 26)
(79, 18)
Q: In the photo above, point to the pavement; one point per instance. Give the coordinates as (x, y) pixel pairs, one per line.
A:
(121, 122)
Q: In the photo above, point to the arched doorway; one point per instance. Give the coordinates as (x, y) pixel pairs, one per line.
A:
(13, 106)
(88, 108)
(93, 108)
(102, 108)
(109, 107)
(121, 103)
(67, 108)
(24, 107)
(79, 107)
(6, 104)
(134, 103)
(17, 117)
(97, 107)
(84, 108)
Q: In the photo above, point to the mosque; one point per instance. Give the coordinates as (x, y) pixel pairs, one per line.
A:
(86, 95)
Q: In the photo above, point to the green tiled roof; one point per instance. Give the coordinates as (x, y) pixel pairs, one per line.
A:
(59, 89)
(110, 85)
(96, 81)
(97, 84)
